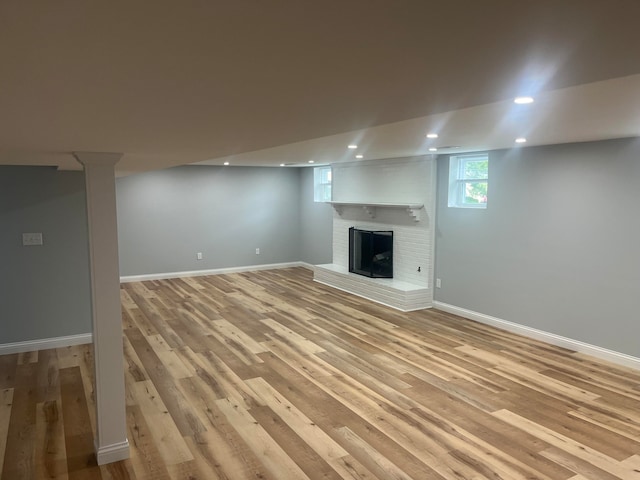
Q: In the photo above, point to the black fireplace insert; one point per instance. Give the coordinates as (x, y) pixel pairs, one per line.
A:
(371, 253)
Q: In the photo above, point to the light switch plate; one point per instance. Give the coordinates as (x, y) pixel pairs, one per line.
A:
(31, 239)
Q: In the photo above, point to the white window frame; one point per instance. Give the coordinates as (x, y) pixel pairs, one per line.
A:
(458, 182)
(322, 176)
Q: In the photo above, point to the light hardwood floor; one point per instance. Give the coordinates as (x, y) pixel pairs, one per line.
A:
(268, 375)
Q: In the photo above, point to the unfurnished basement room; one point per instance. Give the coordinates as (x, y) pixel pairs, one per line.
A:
(320, 240)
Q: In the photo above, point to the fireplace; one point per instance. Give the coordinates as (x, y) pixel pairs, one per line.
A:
(371, 253)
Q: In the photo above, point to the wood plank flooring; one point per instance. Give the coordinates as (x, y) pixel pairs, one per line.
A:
(268, 375)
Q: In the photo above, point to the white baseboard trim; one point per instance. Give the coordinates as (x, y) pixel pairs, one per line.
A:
(45, 343)
(112, 453)
(557, 340)
(215, 271)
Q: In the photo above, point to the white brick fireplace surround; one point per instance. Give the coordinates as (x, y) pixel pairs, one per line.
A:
(390, 194)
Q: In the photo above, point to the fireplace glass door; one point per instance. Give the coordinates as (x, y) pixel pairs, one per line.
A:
(371, 253)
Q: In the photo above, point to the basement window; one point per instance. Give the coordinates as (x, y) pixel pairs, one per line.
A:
(468, 180)
(322, 184)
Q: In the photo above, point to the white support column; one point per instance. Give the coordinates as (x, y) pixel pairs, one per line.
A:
(111, 437)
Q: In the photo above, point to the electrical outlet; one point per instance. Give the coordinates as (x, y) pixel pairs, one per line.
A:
(199, 256)
(31, 239)
(438, 283)
(257, 251)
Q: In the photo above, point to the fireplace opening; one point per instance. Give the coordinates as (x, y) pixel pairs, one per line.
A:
(371, 253)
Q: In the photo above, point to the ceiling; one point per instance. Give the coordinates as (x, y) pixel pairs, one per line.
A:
(282, 81)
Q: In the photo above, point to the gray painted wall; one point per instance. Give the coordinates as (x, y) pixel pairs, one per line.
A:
(44, 290)
(166, 217)
(316, 223)
(557, 249)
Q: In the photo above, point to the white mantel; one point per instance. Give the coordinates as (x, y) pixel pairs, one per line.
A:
(413, 209)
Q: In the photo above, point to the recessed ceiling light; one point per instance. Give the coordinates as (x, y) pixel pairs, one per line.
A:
(432, 135)
(523, 100)
(226, 163)
(521, 140)
(310, 161)
(352, 147)
(282, 164)
(359, 156)
(433, 149)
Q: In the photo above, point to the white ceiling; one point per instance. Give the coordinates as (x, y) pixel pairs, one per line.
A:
(263, 83)
(596, 111)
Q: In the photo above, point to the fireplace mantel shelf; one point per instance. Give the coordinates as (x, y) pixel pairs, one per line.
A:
(413, 209)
